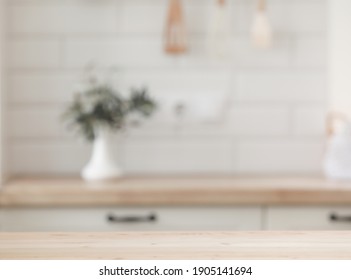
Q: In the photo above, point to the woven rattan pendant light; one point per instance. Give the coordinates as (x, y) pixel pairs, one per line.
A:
(175, 33)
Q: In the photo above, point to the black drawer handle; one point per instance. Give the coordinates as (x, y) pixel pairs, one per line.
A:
(131, 219)
(337, 218)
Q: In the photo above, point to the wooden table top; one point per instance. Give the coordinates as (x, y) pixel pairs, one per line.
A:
(176, 245)
(168, 191)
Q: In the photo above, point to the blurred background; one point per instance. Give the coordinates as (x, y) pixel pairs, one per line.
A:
(256, 109)
(253, 109)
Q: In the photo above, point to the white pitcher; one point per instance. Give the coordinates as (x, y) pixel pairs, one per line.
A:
(337, 162)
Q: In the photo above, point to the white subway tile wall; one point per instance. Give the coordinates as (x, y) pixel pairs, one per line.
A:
(274, 101)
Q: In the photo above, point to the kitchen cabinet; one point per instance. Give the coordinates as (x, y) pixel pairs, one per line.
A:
(167, 204)
(131, 219)
(308, 218)
(97, 219)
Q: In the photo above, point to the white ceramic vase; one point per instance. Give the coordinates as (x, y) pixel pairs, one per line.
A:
(102, 164)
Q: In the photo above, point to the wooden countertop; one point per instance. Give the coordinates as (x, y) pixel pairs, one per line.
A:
(181, 245)
(183, 191)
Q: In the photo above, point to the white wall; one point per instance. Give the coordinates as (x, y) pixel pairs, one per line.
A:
(278, 96)
(340, 56)
(3, 165)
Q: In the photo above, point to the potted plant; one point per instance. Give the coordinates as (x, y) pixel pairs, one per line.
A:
(95, 113)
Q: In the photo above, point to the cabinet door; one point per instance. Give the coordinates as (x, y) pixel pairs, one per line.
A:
(308, 218)
(132, 219)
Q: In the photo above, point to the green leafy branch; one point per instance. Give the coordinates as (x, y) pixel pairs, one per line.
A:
(102, 106)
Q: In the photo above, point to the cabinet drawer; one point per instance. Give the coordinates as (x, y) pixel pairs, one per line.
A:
(309, 218)
(130, 219)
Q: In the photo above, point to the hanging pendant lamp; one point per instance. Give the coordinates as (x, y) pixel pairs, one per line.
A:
(261, 30)
(175, 33)
(219, 32)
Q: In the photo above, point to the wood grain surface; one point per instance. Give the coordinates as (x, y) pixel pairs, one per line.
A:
(176, 245)
(175, 191)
